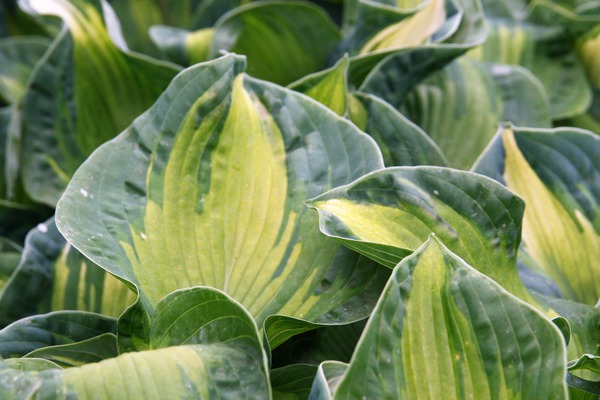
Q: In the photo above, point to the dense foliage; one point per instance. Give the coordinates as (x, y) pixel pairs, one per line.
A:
(300, 199)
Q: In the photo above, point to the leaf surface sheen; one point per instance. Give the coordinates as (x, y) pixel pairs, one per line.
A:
(207, 188)
(443, 330)
(562, 222)
(86, 89)
(389, 213)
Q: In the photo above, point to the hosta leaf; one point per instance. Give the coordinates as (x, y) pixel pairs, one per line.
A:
(460, 106)
(18, 56)
(400, 140)
(573, 13)
(14, 22)
(207, 188)
(590, 120)
(323, 344)
(17, 219)
(329, 87)
(208, 12)
(328, 377)
(534, 279)
(84, 92)
(584, 322)
(53, 276)
(589, 385)
(9, 260)
(557, 173)
(380, 25)
(283, 40)
(292, 382)
(202, 315)
(577, 14)
(411, 30)
(443, 330)
(138, 17)
(549, 53)
(227, 361)
(389, 213)
(587, 50)
(182, 46)
(5, 115)
(53, 329)
(588, 362)
(30, 364)
(372, 71)
(93, 350)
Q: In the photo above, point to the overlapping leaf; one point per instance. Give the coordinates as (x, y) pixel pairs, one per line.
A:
(53, 276)
(182, 46)
(460, 106)
(376, 72)
(548, 51)
(283, 40)
(557, 173)
(18, 56)
(401, 141)
(292, 382)
(57, 328)
(444, 330)
(84, 92)
(225, 360)
(329, 87)
(207, 188)
(389, 213)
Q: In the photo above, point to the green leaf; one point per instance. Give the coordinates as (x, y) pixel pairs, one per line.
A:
(9, 260)
(5, 116)
(328, 87)
(460, 106)
(53, 276)
(401, 141)
(14, 22)
(411, 30)
(584, 323)
(82, 93)
(207, 188)
(549, 53)
(17, 219)
(18, 56)
(323, 344)
(208, 12)
(589, 363)
(587, 49)
(327, 379)
(202, 315)
(176, 19)
(380, 25)
(443, 330)
(283, 40)
(93, 350)
(30, 364)
(465, 28)
(388, 214)
(189, 371)
(57, 328)
(557, 173)
(292, 382)
(226, 358)
(182, 46)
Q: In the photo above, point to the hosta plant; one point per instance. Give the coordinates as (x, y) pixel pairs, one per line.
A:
(299, 199)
